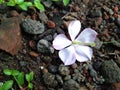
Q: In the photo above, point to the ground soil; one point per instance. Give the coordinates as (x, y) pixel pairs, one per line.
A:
(91, 13)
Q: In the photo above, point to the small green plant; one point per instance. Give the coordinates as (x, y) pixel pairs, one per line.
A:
(20, 78)
(7, 85)
(29, 78)
(20, 3)
(65, 2)
(1, 1)
(38, 5)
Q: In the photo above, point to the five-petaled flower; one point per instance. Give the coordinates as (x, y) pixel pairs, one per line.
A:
(77, 47)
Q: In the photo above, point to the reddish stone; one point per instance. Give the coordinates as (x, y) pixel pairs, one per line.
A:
(33, 54)
(10, 35)
(114, 86)
(116, 9)
(50, 24)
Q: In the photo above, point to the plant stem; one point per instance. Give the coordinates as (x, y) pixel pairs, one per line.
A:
(85, 44)
(17, 82)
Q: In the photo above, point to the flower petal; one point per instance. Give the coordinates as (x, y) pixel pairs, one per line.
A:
(67, 55)
(83, 53)
(74, 28)
(88, 35)
(61, 41)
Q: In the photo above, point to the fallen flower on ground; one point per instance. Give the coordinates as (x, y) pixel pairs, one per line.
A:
(78, 46)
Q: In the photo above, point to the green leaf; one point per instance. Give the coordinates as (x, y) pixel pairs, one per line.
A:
(55, 0)
(20, 78)
(7, 72)
(7, 85)
(66, 2)
(0, 87)
(19, 1)
(24, 6)
(1, 1)
(38, 5)
(30, 86)
(29, 4)
(15, 72)
(11, 3)
(29, 77)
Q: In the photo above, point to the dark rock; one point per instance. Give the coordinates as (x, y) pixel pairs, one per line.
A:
(43, 17)
(52, 69)
(107, 9)
(71, 85)
(110, 71)
(43, 46)
(118, 61)
(112, 19)
(3, 8)
(63, 70)
(32, 26)
(78, 77)
(59, 79)
(46, 59)
(10, 35)
(117, 21)
(49, 80)
(49, 37)
(96, 13)
(68, 77)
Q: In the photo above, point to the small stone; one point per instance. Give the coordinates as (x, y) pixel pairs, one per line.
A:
(110, 11)
(112, 19)
(52, 69)
(50, 24)
(46, 59)
(96, 13)
(43, 17)
(76, 8)
(110, 71)
(105, 16)
(71, 85)
(118, 61)
(63, 70)
(48, 3)
(59, 79)
(49, 80)
(32, 44)
(32, 26)
(115, 86)
(74, 65)
(33, 54)
(93, 72)
(98, 44)
(44, 47)
(98, 21)
(78, 77)
(22, 63)
(49, 37)
(45, 70)
(3, 8)
(68, 77)
(116, 9)
(117, 21)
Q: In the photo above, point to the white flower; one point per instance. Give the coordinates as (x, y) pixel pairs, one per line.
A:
(78, 47)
